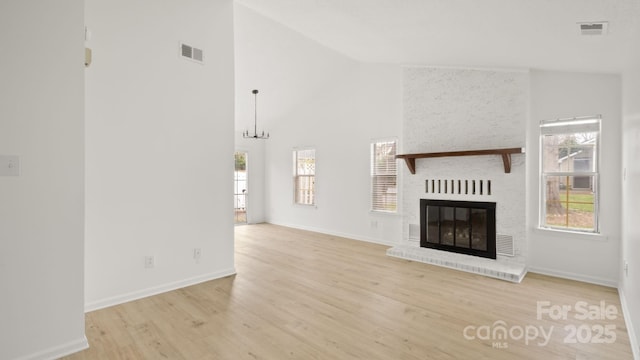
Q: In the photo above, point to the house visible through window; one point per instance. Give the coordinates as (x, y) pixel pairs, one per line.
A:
(384, 188)
(569, 164)
(304, 176)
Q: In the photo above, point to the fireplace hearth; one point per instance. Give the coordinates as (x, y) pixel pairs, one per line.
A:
(466, 227)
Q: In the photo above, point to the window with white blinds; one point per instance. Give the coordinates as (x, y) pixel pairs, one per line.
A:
(304, 176)
(384, 174)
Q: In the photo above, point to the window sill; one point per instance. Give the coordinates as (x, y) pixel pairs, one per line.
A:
(567, 234)
(306, 206)
(384, 213)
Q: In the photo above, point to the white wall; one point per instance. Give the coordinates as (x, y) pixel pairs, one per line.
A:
(315, 97)
(324, 100)
(562, 95)
(41, 210)
(630, 281)
(464, 109)
(160, 143)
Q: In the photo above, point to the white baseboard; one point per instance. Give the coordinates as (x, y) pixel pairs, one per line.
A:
(336, 233)
(115, 300)
(635, 346)
(573, 276)
(59, 351)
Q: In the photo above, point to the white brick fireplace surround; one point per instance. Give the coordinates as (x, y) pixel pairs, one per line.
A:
(455, 110)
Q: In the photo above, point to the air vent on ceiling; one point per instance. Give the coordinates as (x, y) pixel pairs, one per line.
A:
(192, 53)
(593, 28)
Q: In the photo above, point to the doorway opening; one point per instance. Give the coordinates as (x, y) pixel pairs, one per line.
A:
(240, 188)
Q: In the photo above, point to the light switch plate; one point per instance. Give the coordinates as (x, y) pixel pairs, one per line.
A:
(9, 165)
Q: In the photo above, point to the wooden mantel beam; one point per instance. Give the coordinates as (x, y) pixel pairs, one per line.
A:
(410, 159)
(411, 164)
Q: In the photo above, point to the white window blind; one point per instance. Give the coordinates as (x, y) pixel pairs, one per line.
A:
(384, 189)
(569, 174)
(304, 176)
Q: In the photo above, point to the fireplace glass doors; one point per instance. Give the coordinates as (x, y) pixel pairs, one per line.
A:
(467, 227)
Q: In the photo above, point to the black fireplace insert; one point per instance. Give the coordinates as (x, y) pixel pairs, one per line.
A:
(466, 227)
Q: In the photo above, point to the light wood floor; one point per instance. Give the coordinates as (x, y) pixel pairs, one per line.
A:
(303, 295)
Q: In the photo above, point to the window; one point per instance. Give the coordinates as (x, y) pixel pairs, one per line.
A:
(240, 187)
(304, 176)
(569, 165)
(384, 188)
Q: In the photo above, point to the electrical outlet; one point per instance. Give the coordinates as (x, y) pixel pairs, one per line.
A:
(9, 165)
(197, 253)
(626, 268)
(149, 262)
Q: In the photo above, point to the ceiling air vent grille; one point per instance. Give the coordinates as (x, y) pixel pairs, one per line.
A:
(192, 53)
(593, 28)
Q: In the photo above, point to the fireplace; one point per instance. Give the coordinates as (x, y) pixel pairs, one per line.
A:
(466, 227)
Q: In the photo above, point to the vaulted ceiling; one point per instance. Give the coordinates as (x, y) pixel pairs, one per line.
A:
(477, 33)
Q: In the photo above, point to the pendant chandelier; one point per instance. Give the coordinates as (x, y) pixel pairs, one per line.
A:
(255, 135)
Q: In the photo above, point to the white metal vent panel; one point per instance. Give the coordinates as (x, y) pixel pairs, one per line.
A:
(197, 54)
(192, 53)
(504, 245)
(186, 50)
